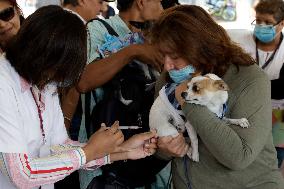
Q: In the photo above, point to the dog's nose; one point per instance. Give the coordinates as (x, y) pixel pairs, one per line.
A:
(183, 95)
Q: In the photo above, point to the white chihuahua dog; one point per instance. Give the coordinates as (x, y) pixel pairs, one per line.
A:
(208, 90)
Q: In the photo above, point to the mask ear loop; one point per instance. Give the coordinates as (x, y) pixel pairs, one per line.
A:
(281, 24)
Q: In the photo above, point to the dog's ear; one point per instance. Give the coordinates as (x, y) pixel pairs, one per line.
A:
(221, 85)
(212, 76)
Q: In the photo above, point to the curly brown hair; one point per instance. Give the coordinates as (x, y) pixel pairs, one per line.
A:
(191, 33)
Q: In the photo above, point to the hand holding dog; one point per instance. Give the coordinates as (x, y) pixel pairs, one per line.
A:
(173, 146)
(104, 141)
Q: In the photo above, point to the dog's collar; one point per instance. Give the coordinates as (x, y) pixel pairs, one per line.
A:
(224, 111)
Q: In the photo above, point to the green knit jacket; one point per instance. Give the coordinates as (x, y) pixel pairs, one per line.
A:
(232, 157)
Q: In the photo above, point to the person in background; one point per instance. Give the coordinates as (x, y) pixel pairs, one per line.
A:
(99, 72)
(41, 3)
(11, 18)
(85, 9)
(85, 13)
(265, 44)
(107, 10)
(34, 146)
(245, 157)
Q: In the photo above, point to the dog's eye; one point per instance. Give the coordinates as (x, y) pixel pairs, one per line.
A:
(195, 88)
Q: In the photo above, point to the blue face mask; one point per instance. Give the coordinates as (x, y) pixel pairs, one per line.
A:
(183, 74)
(264, 33)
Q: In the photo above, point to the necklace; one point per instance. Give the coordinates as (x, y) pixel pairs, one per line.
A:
(271, 57)
(39, 111)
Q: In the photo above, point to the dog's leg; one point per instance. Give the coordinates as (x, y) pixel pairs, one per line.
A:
(243, 122)
(192, 153)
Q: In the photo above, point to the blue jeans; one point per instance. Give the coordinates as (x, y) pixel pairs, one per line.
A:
(280, 155)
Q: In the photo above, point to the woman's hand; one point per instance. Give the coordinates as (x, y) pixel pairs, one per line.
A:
(140, 145)
(173, 146)
(104, 141)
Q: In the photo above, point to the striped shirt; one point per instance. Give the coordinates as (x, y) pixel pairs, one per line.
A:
(26, 172)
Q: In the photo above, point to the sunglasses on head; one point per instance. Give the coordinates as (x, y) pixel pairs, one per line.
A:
(7, 14)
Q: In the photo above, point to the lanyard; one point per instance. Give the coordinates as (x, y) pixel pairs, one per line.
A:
(39, 111)
(272, 56)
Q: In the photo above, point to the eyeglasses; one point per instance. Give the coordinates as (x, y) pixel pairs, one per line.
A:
(254, 23)
(7, 14)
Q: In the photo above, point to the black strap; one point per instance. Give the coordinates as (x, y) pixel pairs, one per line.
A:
(88, 95)
(273, 54)
(110, 30)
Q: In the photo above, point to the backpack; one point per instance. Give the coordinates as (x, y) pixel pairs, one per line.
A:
(128, 98)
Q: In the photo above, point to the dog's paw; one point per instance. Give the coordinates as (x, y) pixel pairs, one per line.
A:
(243, 122)
(193, 155)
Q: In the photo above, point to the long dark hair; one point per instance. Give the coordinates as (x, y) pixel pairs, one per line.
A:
(50, 46)
(191, 33)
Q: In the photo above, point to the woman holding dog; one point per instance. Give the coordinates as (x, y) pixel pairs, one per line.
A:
(35, 150)
(230, 156)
